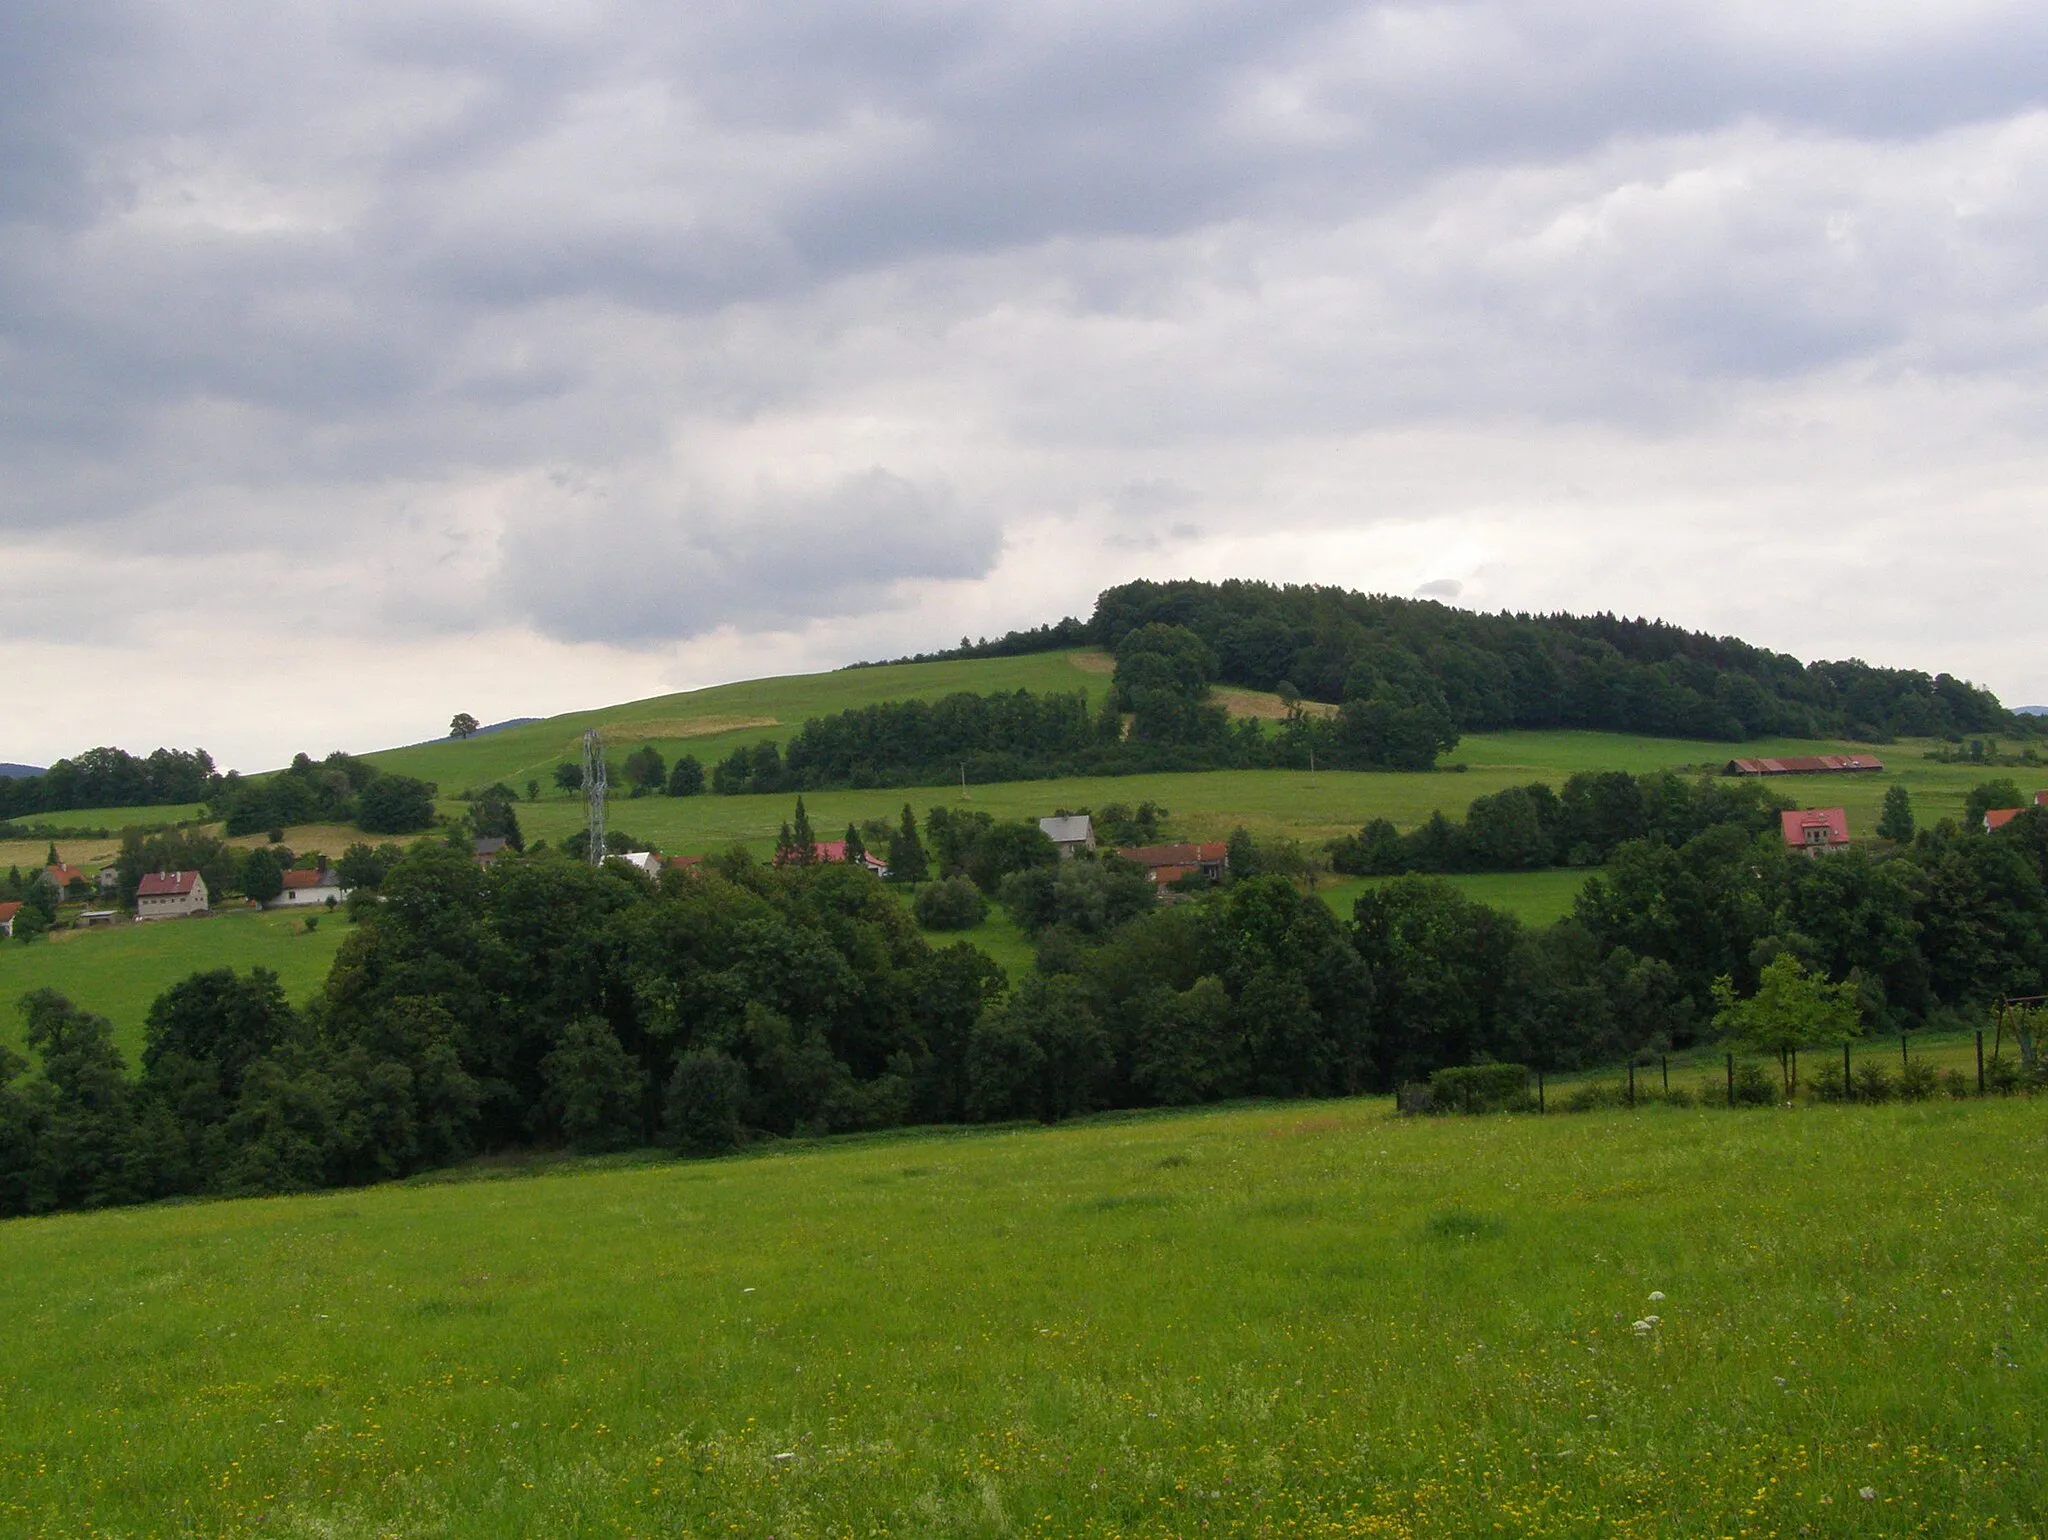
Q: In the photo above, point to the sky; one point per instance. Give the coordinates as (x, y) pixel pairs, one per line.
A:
(364, 364)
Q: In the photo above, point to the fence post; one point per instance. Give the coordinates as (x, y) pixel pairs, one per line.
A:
(1980, 1061)
(1664, 1059)
(1539, 1090)
(1904, 1063)
(1631, 1082)
(1731, 1077)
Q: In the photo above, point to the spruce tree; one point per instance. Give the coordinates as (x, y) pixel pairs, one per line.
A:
(856, 848)
(907, 860)
(806, 843)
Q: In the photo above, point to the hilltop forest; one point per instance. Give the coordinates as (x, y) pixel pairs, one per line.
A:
(1490, 672)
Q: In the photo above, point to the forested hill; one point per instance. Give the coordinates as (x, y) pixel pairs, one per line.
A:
(1509, 670)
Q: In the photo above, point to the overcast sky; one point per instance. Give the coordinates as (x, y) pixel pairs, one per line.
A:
(364, 363)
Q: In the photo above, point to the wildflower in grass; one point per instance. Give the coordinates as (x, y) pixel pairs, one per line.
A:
(1868, 1494)
(1656, 1296)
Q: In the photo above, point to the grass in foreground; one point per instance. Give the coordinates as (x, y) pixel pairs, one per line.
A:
(1310, 1320)
(119, 972)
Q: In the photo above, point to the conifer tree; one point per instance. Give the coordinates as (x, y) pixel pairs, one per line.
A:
(907, 860)
(805, 843)
(856, 847)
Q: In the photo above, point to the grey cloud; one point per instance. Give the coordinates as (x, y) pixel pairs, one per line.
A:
(592, 567)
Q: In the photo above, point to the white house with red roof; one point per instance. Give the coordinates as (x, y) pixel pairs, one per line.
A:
(833, 853)
(170, 895)
(306, 890)
(8, 911)
(1814, 829)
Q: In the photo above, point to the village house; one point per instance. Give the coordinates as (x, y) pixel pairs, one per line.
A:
(833, 852)
(1170, 863)
(1816, 829)
(486, 850)
(1999, 817)
(170, 895)
(61, 877)
(1071, 832)
(648, 861)
(7, 913)
(304, 890)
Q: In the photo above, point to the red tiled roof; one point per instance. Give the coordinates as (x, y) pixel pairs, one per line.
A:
(1799, 826)
(165, 884)
(308, 880)
(9, 910)
(63, 875)
(2041, 799)
(1999, 817)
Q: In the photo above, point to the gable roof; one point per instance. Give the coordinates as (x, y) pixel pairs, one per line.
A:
(63, 876)
(166, 884)
(9, 910)
(1999, 817)
(1804, 764)
(296, 880)
(1212, 853)
(1070, 829)
(2041, 799)
(1801, 826)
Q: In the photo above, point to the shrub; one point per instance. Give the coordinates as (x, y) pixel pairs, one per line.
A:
(2002, 1075)
(955, 904)
(1481, 1088)
(1828, 1084)
(1956, 1083)
(1918, 1080)
(1413, 1097)
(704, 1098)
(1677, 1096)
(1755, 1086)
(1874, 1082)
(1596, 1096)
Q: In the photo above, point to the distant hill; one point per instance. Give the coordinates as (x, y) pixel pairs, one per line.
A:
(2030, 711)
(499, 727)
(18, 772)
(1493, 671)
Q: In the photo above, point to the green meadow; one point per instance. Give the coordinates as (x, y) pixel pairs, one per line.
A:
(1310, 1319)
(119, 971)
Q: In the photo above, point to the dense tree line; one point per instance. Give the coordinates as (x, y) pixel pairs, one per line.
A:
(1525, 828)
(1488, 672)
(1156, 716)
(338, 789)
(541, 1001)
(107, 777)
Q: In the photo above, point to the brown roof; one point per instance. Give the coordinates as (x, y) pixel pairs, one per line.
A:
(1805, 764)
(308, 880)
(1999, 817)
(9, 910)
(1211, 854)
(165, 884)
(63, 875)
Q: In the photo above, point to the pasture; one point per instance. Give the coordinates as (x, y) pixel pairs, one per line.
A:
(1307, 1319)
(118, 972)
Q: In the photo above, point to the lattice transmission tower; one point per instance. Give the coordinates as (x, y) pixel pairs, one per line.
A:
(593, 792)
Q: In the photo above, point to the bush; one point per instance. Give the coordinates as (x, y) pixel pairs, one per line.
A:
(1828, 1084)
(1918, 1081)
(1596, 1096)
(2002, 1075)
(1412, 1098)
(1956, 1083)
(704, 1098)
(1873, 1082)
(1677, 1096)
(955, 904)
(1481, 1088)
(1755, 1086)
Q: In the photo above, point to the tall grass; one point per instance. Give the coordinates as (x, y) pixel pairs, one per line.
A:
(1307, 1319)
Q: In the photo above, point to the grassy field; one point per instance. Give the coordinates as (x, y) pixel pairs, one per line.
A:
(118, 972)
(1300, 1320)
